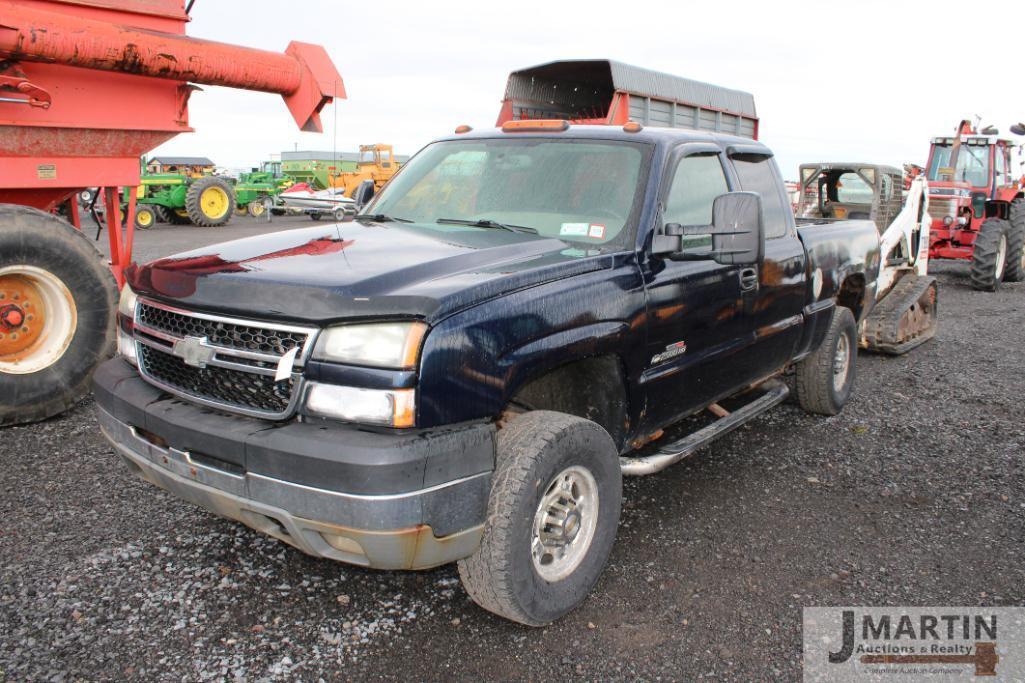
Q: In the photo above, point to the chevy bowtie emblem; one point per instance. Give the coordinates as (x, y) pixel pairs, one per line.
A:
(194, 351)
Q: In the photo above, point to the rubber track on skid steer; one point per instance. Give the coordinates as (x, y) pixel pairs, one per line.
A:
(882, 327)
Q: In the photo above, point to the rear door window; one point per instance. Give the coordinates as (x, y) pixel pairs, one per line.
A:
(757, 174)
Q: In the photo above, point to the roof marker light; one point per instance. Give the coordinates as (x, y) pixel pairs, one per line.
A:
(632, 127)
(550, 125)
(463, 129)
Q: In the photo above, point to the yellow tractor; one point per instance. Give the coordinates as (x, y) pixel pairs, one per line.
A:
(376, 162)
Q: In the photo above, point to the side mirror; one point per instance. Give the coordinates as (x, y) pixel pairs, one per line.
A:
(737, 231)
(1018, 129)
(363, 193)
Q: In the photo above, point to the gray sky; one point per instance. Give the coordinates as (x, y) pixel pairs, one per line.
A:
(832, 81)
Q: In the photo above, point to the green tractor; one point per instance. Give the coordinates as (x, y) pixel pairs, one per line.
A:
(255, 191)
(180, 198)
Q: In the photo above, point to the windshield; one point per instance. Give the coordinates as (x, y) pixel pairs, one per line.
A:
(576, 190)
(972, 164)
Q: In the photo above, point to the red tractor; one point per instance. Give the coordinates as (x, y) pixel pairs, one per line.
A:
(977, 206)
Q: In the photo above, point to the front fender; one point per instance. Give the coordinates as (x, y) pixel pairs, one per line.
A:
(473, 362)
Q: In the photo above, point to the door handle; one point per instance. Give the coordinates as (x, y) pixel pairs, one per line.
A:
(748, 279)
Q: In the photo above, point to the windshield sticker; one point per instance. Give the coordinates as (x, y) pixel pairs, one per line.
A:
(597, 230)
(574, 229)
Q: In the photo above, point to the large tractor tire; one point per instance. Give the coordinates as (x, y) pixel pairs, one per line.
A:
(1015, 271)
(178, 217)
(161, 213)
(57, 304)
(210, 202)
(989, 258)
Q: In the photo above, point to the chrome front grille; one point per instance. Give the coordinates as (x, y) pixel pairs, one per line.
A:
(242, 366)
(244, 337)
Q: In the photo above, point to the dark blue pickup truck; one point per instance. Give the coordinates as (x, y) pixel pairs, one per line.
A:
(465, 372)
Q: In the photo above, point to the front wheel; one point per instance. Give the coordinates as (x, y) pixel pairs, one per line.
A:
(989, 255)
(825, 378)
(257, 207)
(552, 518)
(145, 217)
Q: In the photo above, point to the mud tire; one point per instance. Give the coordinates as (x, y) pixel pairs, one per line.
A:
(532, 450)
(817, 389)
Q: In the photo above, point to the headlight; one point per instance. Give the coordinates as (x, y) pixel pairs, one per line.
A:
(379, 345)
(393, 408)
(126, 347)
(126, 306)
(126, 309)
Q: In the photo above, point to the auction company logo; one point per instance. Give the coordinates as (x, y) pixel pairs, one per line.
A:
(914, 643)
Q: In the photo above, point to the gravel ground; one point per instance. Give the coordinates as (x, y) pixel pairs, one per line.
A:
(915, 495)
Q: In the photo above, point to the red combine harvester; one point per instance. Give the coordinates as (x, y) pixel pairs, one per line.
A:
(977, 205)
(86, 87)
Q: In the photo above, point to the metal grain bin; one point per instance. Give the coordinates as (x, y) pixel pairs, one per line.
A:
(602, 91)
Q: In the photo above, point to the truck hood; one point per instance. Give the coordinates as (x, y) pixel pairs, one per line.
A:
(326, 273)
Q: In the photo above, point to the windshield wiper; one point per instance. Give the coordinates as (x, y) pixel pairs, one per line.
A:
(487, 223)
(381, 218)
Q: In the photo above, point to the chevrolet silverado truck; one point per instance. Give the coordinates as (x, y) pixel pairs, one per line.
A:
(465, 372)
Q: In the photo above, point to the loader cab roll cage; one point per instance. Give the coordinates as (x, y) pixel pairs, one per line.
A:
(846, 191)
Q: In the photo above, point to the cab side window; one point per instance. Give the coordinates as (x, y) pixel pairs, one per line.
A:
(1001, 166)
(698, 180)
(757, 173)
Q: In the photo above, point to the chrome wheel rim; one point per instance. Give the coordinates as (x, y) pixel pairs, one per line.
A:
(1001, 257)
(564, 524)
(841, 362)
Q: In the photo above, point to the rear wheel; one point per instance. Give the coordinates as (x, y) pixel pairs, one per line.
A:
(989, 257)
(210, 201)
(178, 217)
(826, 377)
(145, 217)
(552, 518)
(161, 213)
(57, 303)
(1015, 271)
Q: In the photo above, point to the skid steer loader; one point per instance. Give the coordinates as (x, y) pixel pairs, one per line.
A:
(904, 315)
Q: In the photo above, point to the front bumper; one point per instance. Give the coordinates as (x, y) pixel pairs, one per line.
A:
(383, 500)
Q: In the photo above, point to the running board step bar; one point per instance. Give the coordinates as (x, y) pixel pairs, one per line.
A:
(672, 453)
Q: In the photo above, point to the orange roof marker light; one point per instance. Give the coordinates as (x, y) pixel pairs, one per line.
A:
(531, 125)
(463, 129)
(632, 127)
